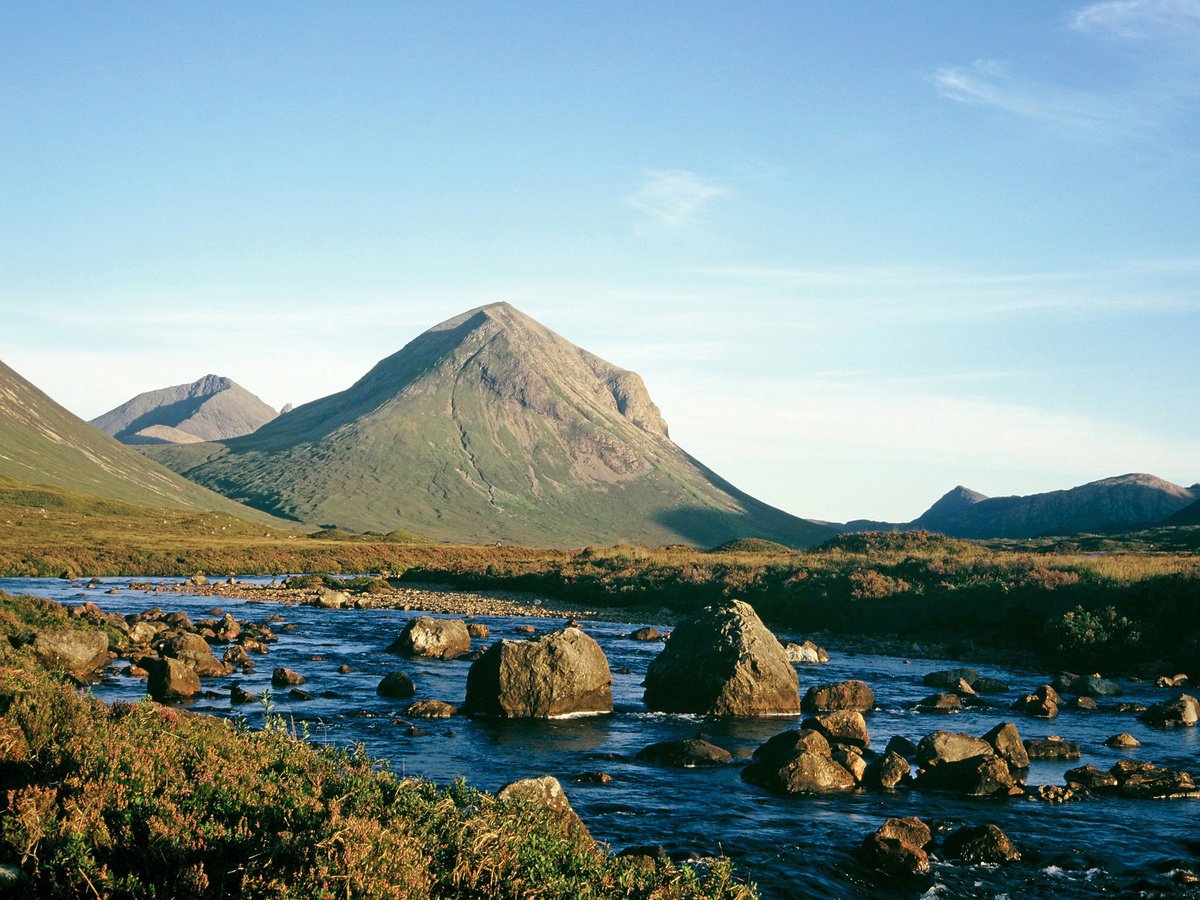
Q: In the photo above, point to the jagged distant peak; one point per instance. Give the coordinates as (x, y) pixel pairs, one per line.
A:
(213, 407)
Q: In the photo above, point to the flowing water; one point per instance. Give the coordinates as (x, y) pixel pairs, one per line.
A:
(800, 846)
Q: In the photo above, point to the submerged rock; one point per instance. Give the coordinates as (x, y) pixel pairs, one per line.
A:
(948, 679)
(649, 633)
(688, 753)
(561, 673)
(396, 685)
(724, 662)
(431, 709)
(1123, 741)
(1052, 748)
(436, 638)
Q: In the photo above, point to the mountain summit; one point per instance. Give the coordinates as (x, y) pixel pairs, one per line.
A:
(211, 409)
(488, 427)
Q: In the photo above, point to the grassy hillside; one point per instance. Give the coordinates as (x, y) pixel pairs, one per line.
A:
(488, 428)
(43, 443)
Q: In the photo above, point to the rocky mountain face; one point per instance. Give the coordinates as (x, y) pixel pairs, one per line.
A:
(1126, 501)
(1189, 515)
(488, 427)
(42, 443)
(211, 409)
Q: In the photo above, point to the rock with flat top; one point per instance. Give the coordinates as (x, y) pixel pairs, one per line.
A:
(70, 649)
(436, 638)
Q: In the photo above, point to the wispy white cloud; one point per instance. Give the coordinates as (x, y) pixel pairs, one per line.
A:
(851, 294)
(989, 83)
(1162, 40)
(673, 197)
(1141, 20)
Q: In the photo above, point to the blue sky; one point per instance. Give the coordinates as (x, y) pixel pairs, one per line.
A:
(860, 252)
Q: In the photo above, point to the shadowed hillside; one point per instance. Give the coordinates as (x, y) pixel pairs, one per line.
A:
(211, 409)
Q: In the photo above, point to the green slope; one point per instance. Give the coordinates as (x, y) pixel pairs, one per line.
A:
(41, 443)
(488, 427)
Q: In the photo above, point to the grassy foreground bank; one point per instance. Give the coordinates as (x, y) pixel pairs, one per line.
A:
(143, 800)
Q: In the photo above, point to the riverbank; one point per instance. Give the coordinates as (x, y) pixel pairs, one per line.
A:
(142, 800)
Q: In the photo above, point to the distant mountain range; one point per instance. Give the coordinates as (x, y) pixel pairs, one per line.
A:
(211, 409)
(43, 444)
(488, 427)
(1111, 504)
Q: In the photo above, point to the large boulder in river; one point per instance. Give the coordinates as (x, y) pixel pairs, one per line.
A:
(170, 679)
(1183, 711)
(558, 674)
(193, 651)
(981, 844)
(71, 649)
(976, 776)
(1006, 741)
(724, 662)
(940, 747)
(437, 638)
(843, 695)
(805, 772)
(843, 726)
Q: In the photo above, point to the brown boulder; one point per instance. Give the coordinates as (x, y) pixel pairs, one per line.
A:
(981, 844)
(887, 771)
(724, 662)
(558, 674)
(431, 709)
(193, 651)
(649, 633)
(892, 856)
(805, 772)
(843, 695)
(909, 829)
(395, 685)
(940, 703)
(689, 753)
(547, 793)
(70, 649)
(1006, 741)
(844, 726)
(282, 677)
(978, 776)
(1123, 741)
(940, 747)
(170, 679)
(1052, 748)
(1183, 711)
(477, 630)
(437, 638)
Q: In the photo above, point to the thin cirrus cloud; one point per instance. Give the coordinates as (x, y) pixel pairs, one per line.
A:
(1171, 20)
(988, 83)
(1161, 33)
(673, 197)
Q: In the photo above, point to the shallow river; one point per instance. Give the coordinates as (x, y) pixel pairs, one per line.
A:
(790, 846)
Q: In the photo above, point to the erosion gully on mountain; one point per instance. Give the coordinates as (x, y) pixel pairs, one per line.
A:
(794, 845)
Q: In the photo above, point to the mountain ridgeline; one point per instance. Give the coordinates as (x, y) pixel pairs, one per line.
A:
(1110, 504)
(211, 409)
(488, 427)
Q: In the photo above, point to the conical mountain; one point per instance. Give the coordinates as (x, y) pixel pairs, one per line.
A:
(211, 409)
(949, 512)
(488, 427)
(42, 443)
